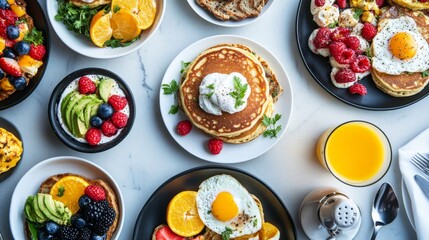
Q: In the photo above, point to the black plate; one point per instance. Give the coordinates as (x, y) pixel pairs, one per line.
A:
(12, 129)
(154, 211)
(320, 69)
(41, 23)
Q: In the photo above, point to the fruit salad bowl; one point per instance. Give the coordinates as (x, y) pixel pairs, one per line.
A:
(91, 110)
(85, 46)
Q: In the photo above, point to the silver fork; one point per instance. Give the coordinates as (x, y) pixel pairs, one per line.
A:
(421, 162)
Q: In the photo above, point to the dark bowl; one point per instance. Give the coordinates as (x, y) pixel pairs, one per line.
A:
(14, 130)
(54, 107)
(41, 23)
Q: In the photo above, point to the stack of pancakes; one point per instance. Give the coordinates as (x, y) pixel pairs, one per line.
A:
(242, 126)
(412, 4)
(406, 84)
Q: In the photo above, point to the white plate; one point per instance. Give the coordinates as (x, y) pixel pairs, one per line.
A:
(195, 141)
(30, 182)
(210, 18)
(84, 46)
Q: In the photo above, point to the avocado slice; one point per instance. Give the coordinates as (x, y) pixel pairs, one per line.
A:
(91, 110)
(105, 88)
(68, 112)
(65, 102)
(28, 210)
(59, 206)
(77, 109)
(50, 205)
(40, 217)
(43, 208)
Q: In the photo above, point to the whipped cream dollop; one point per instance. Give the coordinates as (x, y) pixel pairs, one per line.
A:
(223, 93)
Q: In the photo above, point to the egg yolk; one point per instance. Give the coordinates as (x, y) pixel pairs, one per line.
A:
(224, 207)
(403, 46)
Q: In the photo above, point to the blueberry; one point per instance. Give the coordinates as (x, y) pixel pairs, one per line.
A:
(51, 227)
(12, 32)
(44, 236)
(98, 237)
(78, 222)
(19, 83)
(22, 48)
(96, 121)
(1, 74)
(4, 4)
(84, 201)
(8, 53)
(105, 110)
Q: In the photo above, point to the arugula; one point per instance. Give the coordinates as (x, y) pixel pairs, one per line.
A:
(239, 91)
(61, 191)
(211, 87)
(333, 25)
(33, 230)
(425, 73)
(114, 43)
(227, 233)
(34, 36)
(171, 89)
(357, 12)
(184, 66)
(270, 123)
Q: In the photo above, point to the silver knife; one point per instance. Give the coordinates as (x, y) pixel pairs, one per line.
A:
(423, 183)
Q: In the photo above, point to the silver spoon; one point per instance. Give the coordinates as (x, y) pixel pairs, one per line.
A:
(385, 208)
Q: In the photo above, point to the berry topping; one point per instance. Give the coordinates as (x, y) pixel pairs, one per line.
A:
(120, 119)
(215, 146)
(361, 64)
(85, 234)
(358, 88)
(340, 34)
(96, 121)
(345, 75)
(380, 3)
(322, 38)
(319, 3)
(108, 128)
(78, 222)
(423, 1)
(165, 233)
(19, 83)
(368, 31)
(98, 237)
(105, 111)
(93, 136)
(184, 127)
(9, 17)
(93, 211)
(12, 32)
(352, 42)
(22, 48)
(103, 224)
(342, 3)
(68, 233)
(346, 56)
(10, 66)
(84, 201)
(37, 51)
(86, 85)
(8, 53)
(118, 103)
(4, 4)
(51, 227)
(96, 193)
(336, 48)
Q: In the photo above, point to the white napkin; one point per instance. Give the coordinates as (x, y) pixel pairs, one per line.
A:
(419, 202)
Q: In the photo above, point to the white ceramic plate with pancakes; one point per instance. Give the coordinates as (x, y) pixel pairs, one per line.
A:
(86, 47)
(195, 142)
(30, 182)
(206, 15)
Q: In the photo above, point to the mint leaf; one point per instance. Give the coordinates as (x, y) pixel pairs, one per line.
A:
(272, 128)
(239, 91)
(184, 66)
(61, 191)
(425, 73)
(171, 89)
(357, 12)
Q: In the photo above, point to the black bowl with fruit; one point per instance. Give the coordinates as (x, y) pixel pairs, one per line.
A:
(91, 110)
(25, 47)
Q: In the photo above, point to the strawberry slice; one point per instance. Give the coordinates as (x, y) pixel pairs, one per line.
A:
(10, 66)
(163, 232)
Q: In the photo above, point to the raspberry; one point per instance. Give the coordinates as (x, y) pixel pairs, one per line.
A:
(423, 1)
(37, 51)
(215, 146)
(342, 3)
(345, 75)
(346, 56)
(96, 193)
(108, 128)
(360, 64)
(322, 39)
(340, 34)
(184, 127)
(352, 42)
(368, 31)
(319, 3)
(93, 136)
(8, 17)
(336, 48)
(86, 85)
(380, 3)
(358, 88)
(120, 119)
(118, 103)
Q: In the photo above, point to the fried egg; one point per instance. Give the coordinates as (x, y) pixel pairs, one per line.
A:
(399, 47)
(224, 205)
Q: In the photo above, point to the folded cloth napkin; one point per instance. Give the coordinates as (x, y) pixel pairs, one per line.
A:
(419, 202)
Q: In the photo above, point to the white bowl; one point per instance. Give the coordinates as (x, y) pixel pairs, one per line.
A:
(30, 182)
(84, 46)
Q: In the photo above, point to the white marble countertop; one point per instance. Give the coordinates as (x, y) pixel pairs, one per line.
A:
(149, 156)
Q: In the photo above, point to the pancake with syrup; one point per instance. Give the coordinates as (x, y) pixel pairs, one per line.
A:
(405, 84)
(226, 59)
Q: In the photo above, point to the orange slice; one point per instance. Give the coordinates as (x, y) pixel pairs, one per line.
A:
(146, 14)
(68, 190)
(124, 25)
(100, 30)
(129, 5)
(182, 214)
(269, 232)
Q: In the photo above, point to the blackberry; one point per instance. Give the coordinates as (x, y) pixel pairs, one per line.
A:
(68, 233)
(100, 229)
(106, 220)
(93, 211)
(85, 234)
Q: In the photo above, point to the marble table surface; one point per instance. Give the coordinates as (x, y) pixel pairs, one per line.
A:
(149, 156)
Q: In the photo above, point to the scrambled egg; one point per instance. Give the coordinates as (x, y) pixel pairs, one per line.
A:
(10, 150)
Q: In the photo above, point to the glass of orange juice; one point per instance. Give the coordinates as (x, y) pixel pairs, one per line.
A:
(357, 153)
